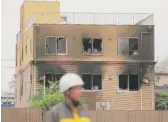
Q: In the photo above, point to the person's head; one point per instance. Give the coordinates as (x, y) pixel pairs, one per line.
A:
(71, 85)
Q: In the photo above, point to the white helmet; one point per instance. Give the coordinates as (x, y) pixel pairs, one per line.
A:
(70, 80)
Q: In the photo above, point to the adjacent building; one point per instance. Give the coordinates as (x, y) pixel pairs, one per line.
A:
(113, 53)
(7, 100)
(161, 76)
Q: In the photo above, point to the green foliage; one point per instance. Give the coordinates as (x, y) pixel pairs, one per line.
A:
(161, 101)
(52, 97)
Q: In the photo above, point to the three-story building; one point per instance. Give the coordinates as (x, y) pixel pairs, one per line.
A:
(113, 53)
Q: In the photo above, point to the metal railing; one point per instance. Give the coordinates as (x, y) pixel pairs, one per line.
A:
(88, 18)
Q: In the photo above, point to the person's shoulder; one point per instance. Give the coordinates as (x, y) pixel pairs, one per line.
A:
(56, 107)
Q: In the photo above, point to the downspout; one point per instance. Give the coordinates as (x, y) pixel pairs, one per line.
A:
(141, 67)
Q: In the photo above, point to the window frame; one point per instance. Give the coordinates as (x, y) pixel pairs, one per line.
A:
(91, 54)
(53, 54)
(128, 37)
(92, 90)
(119, 90)
(54, 74)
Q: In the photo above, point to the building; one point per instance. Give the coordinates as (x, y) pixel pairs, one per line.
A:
(7, 100)
(114, 57)
(161, 72)
(161, 76)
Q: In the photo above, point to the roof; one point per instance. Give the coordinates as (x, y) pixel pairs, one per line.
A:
(162, 66)
(161, 89)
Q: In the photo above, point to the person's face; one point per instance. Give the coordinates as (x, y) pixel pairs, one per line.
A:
(75, 92)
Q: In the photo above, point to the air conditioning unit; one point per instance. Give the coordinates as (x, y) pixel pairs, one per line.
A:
(103, 105)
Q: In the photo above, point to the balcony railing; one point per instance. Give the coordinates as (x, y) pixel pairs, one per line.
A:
(87, 18)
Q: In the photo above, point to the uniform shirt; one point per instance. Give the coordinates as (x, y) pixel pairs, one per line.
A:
(62, 112)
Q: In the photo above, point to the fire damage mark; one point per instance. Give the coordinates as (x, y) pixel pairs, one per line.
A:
(92, 46)
(52, 72)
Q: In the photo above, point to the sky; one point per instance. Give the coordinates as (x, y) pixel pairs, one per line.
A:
(10, 25)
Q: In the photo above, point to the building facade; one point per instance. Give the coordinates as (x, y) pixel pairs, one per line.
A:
(7, 100)
(115, 58)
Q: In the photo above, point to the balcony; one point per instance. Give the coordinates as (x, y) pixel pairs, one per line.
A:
(90, 18)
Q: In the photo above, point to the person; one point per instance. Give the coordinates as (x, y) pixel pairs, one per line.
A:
(70, 108)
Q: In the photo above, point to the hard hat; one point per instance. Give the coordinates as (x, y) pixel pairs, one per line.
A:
(70, 80)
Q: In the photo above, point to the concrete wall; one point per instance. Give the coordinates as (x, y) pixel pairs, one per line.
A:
(161, 79)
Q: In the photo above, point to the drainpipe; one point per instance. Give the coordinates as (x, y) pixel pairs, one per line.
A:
(141, 68)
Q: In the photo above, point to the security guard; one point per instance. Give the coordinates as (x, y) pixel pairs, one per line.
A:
(69, 109)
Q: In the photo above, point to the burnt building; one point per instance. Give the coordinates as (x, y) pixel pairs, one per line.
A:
(113, 53)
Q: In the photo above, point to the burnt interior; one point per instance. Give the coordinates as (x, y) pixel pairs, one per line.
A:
(92, 45)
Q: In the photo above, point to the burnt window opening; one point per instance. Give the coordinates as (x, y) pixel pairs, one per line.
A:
(55, 45)
(128, 82)
(49, 77)
(92, 81)
(128, 46)
(92, 46)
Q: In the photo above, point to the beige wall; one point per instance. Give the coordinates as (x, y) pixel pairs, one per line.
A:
(163, 79)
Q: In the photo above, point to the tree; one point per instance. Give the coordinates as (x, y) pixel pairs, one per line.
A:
(161, 101)
(45, 101)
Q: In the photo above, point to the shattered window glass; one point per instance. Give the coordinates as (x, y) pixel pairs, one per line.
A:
(128, 46)
(92, 46)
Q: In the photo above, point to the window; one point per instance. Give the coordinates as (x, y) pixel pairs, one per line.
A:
(92, 81)
(92, 46)
(52, 78)
(128, 46)
(55, 45)
(128, 82)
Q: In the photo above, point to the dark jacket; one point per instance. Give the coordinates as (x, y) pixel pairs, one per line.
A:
(62, 112)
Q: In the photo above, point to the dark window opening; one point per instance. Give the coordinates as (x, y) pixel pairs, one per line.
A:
(87, 78)
(133, 46)
(50, 78)
(92, 82)
(123, 82)
(128, 82)
(97, 84)
(92, 45)
(133, 83)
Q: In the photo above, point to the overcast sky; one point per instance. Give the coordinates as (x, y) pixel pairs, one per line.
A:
(10, 24)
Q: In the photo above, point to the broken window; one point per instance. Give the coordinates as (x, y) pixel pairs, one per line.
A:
(92, 46)
(52, 78)
(61, 45)
(128, 46)
(92, 81)
(128, 82)
(55, 45)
